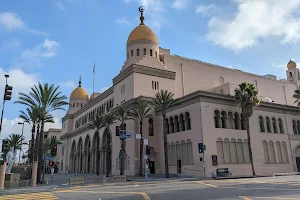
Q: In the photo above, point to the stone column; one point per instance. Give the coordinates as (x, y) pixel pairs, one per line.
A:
(2, 174)
(34, 173)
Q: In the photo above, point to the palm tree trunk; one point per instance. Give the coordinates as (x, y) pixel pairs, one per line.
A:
(141, 149)
(167, 175)
(98, 156)
(36, 149)
(40, 164)
(32, 143)
(108, 154)
(249, 146)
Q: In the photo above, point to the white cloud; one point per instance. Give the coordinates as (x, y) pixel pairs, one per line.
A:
(33, 56)
(203, 9)
(255, 20)
(123, 21)
(180, 4)
(11, 21)
(154, 10)
(60, 5)
(68, 84)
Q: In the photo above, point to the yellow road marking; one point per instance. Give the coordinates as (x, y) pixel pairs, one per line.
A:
(207, 184)
(244, 198)
(30, 196)
(145, 195)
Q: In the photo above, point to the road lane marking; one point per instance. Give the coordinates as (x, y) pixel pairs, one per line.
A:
(244, 198)
(145, 195)
(207, 184)
(30, 196)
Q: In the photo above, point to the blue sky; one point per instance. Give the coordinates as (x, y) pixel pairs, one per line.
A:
(56, 41)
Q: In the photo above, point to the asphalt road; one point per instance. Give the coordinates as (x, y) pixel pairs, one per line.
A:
(277, 188)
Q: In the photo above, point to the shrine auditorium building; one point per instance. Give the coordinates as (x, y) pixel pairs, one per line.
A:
(206, 112)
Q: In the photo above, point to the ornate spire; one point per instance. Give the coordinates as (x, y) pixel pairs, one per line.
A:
(80, 81)
(141, 9)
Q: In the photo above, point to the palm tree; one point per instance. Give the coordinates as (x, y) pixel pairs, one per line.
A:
(297, 96)
(16, 141)
(122, 115)
(97, 123)
(48, 99)
(162, 101)
(32, 117)
(141, 111)
(246, 98)
(108, 120)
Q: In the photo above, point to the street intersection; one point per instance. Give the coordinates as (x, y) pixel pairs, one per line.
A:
(273, 188)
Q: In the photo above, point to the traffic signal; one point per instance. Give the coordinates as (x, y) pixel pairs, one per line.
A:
(117, 130)
(5, 146)
(54, 151)
(7, 92)
(51, 163)
(200, 147)
(147, 149)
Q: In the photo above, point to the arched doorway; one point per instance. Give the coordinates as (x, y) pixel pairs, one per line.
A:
(87, 158)
(297, 155)
(73, 157)
(95, 157)
(106, 151)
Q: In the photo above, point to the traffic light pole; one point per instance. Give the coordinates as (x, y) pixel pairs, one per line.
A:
(202, 139)
(2, 116)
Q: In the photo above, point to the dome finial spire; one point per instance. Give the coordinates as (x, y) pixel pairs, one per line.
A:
(80, 81)
(141, 9)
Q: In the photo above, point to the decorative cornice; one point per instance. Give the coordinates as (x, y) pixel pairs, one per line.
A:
(134, 68)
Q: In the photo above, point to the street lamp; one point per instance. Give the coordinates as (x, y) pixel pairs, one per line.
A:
(21, 123)
(202, 137)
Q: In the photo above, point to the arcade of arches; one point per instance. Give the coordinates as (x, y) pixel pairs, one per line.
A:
(83, 157)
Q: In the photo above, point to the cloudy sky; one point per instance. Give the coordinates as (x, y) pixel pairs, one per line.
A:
(56, 41)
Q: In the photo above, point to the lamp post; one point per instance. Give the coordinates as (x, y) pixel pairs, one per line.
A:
(21, 123)
(202, 138)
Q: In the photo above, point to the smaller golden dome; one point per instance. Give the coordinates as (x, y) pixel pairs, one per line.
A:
(291, 64)
(79, 92)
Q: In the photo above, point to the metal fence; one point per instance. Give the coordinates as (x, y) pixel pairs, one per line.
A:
(22, 183)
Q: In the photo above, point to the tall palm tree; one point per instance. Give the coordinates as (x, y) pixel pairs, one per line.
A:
(108, 120)
(246, 97)
(32, 117)
(16, 141)
(297, 96)
(97, 123)
(122, 115)
(48, 99)
(162, 101)
(141, 111)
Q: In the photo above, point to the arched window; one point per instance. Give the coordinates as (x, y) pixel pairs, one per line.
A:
(236, 121)
(224, 119)
(151, 127)
(261, 124)
(176, 123)
(127, 55)
(181, 123)
(272, 152)
(221, 80)
(77, 104)
(81, 104)
(131, 53)
(150, 52)
(184, 153)
(187, 121)
(268, 124)
(156, 54)
(138, 52)
(73, 104)
(285, 156)
(298, 126)
(230, 120)
(243, 122)
(171, 125)
(274, 125)
(226, 148)
(145, 52)
(266, 151)
(167, 126)
(291, 75)
(220, 151)
(294, 127)
(190, 152)
(217, 119)
(279, 152)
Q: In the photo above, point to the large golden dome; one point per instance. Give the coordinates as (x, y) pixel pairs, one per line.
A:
(142, 32)
(79, 92)
(291, 64)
